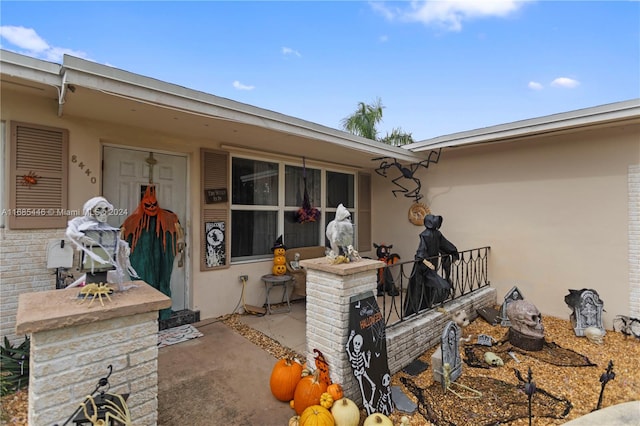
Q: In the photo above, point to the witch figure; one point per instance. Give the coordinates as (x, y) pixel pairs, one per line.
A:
(426, 287)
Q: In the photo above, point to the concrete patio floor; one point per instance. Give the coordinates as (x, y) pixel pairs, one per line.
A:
(222, 378)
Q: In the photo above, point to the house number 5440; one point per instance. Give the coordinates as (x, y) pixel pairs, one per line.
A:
(87, 170)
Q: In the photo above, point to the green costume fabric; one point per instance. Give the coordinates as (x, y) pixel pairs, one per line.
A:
(153, 261)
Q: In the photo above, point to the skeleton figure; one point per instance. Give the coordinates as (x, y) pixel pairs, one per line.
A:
(360, 362)
(525, 318)
(96, 212)
(384, 403)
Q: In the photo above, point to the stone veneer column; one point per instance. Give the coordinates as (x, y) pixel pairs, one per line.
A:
(72, 344)
(329, 290)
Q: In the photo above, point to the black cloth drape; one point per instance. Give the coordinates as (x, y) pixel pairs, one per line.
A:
(427, 288)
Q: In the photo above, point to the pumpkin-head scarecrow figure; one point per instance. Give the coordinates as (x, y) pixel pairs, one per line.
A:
(153, 234)
(279, 259)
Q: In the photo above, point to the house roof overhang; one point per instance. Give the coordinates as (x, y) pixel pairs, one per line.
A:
(614, 114)
(85, 89)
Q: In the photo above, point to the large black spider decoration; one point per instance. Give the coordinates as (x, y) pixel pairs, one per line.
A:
(407, 172)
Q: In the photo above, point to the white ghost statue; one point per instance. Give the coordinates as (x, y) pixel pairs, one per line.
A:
(340, 231)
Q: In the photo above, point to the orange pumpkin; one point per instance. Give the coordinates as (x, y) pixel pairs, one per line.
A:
(279, 251)
(279, 260)
(316, 415)
(284, 379)
(279, 270)
(308, 393)
(335, 390)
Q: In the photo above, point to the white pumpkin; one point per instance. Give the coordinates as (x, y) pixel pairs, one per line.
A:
(345, 412)
(377, 419)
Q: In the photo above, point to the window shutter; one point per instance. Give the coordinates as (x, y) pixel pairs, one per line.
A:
(38, 176)
(215, 211)
(364, 212)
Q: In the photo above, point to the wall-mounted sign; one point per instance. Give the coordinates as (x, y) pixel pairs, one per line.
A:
(213, 196)
(214, 245)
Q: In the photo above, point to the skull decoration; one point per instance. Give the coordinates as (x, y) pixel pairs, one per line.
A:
(461, 318)
(101, 211)
(493, 359)
(594, 334)
(525, 318)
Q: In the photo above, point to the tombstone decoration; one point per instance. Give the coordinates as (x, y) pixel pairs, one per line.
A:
(587, 310)
(527, 331)
(366, 349)
(512, 295)
(448, 354)
(485, 340)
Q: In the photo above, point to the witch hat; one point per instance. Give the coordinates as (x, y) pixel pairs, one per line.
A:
(278, 244)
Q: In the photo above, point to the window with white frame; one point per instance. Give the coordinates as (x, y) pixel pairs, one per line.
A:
(265, 197)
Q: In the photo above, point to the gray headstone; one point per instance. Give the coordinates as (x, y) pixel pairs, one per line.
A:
(485, 340)
(512, 295)
(401, 401)
(587, 311)
(450, 345)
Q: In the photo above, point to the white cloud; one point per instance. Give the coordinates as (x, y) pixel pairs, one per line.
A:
(289, 51)
(448, 13)
(31, 44)
(534, 85)
(241, 86)
(566, 82)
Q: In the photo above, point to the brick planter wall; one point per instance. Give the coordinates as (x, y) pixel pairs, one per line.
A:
(410, 339)
(72, 345)
(329, 290)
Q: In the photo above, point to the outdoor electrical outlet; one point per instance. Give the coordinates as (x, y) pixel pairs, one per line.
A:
(243, 277)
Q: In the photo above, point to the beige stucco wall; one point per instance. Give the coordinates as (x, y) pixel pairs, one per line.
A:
(554, 210)
(214, 293)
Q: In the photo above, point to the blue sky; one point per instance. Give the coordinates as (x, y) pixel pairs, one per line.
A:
(438, 67)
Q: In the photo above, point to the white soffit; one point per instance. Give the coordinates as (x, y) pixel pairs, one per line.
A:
(162, 94)
(625, 111)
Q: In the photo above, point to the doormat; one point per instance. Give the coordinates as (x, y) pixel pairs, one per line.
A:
(174, 335)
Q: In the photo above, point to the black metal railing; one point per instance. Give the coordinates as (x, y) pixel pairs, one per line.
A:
(467, 274)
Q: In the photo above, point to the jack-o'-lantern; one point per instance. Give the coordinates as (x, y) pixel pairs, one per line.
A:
(150, 202)
(279, 260)
(279, 270)
(279, 251)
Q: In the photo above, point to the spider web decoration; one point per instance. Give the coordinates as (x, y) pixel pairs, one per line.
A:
(406, 172)
(509, 403)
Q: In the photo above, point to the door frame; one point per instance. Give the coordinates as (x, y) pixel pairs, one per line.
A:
(185, 226)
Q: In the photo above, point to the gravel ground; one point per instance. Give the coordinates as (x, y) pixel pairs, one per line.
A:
(578, 385)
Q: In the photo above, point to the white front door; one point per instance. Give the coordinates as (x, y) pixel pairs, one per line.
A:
(126, 175)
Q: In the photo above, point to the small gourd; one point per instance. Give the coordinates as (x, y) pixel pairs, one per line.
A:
(316, 415)
(294, 421)
(285, 376)
(279, 251)
(335, 390)
(326, 400)
(377, 419)
(279, 260)
(345, 412)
